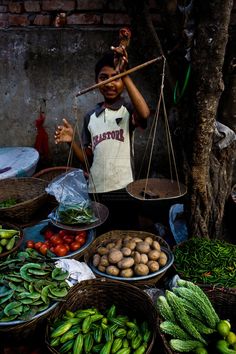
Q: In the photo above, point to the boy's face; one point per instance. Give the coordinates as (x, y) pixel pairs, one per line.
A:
(112, 90)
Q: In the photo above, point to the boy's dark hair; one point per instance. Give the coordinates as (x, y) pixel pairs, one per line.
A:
(106, 60)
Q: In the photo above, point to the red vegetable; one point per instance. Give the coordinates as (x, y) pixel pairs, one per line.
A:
(60, 250)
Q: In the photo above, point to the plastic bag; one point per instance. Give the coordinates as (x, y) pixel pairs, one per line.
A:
(71, 191)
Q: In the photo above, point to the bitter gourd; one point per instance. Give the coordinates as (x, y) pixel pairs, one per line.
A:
(165, 309)
(182, 317)
(184, 346)
(174, 330)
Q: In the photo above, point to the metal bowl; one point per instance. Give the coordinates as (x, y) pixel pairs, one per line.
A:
(38, 315)
(33, 233)
(169, 263)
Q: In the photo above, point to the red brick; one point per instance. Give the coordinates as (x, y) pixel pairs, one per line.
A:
(15, 7)
(42, 20)
(83, 19)
(65, 5)
(18, 20)
(4, 20)
(32, 6)
(116, 19)
(91, 4)
(3, 8)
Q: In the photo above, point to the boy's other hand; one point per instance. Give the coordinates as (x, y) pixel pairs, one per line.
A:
(64, 133)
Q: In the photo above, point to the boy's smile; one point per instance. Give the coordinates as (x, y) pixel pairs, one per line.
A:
(112, 90)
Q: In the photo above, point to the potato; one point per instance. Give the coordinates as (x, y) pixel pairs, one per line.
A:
(118, 244)
(96, 259)
(143, 258)
(153, 266)
(110, 245)
(136, 256)
(156, 245)
(137, 239)
(149, 240)
(127, 273)
(141, 269)
(112, 270)
(130, 244)
(102, 250)
(126, 251)
(101, 268)
(153, 255)
(127, 238)
(104, 261)
(162, 260)
(115, 256)
(142, 247)
(125, 263)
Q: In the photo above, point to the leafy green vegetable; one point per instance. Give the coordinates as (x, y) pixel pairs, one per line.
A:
(75, 214)
(8, 203)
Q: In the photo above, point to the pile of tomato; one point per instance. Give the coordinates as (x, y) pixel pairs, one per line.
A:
(59, 242)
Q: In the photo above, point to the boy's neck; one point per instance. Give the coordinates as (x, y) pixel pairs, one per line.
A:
(109, 103)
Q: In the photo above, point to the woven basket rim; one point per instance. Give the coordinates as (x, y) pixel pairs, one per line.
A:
(51, 169)
(25, 202)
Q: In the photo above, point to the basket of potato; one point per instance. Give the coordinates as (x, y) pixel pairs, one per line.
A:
(133, 256)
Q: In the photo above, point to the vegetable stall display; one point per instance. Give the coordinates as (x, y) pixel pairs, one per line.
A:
(206, 261)
(28, 286)
(191, 324)
(91, 331)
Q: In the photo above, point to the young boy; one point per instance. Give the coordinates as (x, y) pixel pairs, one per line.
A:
(107, 133)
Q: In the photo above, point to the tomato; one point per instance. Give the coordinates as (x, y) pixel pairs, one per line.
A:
(61, 250)
(81, 233)
(30, 244)
(43, 249)
(48, 234)
(48, 243)
(74, 246)
(56, 240)
(80, 239)
(62, 233)
(68, 239)
(52, 249)
(37, 245)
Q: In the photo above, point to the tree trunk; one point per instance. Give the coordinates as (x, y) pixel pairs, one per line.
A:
(209, 175)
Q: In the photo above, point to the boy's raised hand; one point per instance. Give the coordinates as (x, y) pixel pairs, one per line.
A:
(120, 58)
(64, 133)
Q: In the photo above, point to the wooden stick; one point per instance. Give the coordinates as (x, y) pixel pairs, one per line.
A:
(118, 76)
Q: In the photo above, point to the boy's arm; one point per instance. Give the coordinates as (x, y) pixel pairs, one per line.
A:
(136, 98)
(139, 103)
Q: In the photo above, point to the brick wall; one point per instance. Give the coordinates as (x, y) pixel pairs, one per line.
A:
(78, 12)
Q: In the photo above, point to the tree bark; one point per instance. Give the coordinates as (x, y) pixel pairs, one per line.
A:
(209, 174)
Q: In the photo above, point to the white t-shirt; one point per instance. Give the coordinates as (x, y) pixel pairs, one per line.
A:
(109, 132)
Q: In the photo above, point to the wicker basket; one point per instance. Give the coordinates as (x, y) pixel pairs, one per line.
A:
(101, 294)
(121, 234)
(224, 302)
(9, 226)
(48, 174)
(29, 193)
